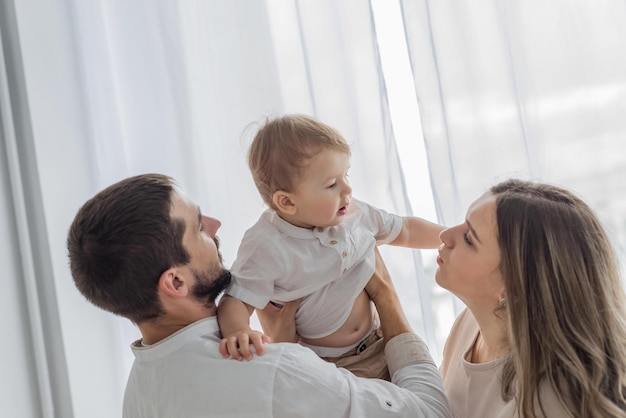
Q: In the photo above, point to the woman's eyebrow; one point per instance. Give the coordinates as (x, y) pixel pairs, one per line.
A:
(474, 234)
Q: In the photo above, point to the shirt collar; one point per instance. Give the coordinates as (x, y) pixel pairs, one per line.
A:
(198, 329)
(287, 228)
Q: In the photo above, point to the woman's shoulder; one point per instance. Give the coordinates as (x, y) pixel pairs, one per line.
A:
(461, 337)
(464, 325)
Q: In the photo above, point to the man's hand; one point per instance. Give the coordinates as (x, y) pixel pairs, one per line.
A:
(380, 283)
(279, 322)
(380, 289)
(237, 345)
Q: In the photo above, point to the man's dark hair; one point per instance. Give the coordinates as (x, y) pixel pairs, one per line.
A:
(120, 243)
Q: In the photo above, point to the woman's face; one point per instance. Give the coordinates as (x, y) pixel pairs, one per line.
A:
(469, 257)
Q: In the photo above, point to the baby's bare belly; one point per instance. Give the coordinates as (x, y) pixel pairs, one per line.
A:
(356, 327)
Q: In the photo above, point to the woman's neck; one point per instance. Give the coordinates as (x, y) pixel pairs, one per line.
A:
(491, 342)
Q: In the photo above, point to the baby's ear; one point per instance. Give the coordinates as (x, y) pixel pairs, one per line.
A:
(283, 202)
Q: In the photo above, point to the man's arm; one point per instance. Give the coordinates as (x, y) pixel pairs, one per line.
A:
(394, 323)
(381, 291)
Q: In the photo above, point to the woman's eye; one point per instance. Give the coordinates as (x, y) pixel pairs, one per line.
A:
(466, 238)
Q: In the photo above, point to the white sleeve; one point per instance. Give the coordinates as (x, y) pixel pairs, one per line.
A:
(306, 385)
(385, 226)
(255, 270)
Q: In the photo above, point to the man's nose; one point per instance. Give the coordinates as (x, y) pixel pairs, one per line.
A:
(211, 225)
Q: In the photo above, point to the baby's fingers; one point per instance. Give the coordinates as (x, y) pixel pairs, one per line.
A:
(257, 340)
(223, 350)
(229, 348)
(244, 347)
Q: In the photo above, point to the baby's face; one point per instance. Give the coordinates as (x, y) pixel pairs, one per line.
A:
(323, 192)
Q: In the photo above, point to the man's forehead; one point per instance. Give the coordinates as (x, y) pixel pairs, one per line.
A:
(183, 207)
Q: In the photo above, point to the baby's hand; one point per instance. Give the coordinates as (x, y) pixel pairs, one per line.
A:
(237, 345)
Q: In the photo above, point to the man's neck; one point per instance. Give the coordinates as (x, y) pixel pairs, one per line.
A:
(162, 327)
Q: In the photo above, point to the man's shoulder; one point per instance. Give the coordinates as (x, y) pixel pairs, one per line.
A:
(198, 368)
(287, 350)
(293, 355)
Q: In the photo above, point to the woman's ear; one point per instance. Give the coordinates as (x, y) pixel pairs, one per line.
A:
(173, 284)
(283, 202)
(502, 299)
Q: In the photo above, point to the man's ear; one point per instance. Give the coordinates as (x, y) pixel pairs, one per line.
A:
(173, 283)
(283, 202)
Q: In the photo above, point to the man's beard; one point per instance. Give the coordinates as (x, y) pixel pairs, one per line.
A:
(210, 284)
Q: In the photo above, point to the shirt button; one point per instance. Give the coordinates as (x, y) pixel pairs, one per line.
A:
(320, 229)
(388, 403)
(344, 254)
(333, 242)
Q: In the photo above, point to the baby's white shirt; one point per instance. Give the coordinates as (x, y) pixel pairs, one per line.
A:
(280, 262)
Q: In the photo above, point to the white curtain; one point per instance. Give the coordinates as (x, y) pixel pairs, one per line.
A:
(173, 87)
(97, 90)
(527, 89)
(534, 89)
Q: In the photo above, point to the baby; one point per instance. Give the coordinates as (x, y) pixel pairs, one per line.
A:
(315, 242)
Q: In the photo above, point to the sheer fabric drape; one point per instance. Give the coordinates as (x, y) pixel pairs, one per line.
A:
(173, 88)
(532, 89)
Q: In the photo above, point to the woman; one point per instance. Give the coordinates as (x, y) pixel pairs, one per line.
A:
(544, 332)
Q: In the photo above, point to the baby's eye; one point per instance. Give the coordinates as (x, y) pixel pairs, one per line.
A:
(332, 185)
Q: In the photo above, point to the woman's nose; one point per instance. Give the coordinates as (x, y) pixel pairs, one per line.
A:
(445, 236)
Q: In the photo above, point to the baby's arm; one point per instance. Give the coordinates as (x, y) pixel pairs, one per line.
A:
(233, 316)
(418, 233)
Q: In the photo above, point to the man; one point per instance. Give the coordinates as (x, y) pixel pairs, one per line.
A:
(141, 249)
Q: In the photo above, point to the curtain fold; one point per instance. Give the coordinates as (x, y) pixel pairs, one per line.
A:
(341, 73)
(538, 90)
(31, 292)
